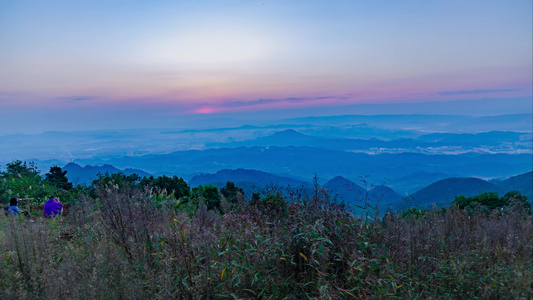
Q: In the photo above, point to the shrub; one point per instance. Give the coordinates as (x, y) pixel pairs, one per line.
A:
(22, 180)
(208, 194)
(487, 202)
(174, 185)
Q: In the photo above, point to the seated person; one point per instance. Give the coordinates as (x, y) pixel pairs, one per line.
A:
(52, 208)
(13, 207)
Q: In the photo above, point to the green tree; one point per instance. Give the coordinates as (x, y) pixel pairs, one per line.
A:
(119, 179)
(22, 179)
(19, 168)
(490, 201)
(514, 197)
(57, 177)
(256, 198)
(230, 192)
(122, 181)
(210, 195)
(173, 185)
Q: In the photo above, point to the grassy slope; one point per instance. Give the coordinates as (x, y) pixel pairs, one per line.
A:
(132, 245)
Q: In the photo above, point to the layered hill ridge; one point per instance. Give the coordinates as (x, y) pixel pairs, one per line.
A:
(440, 193)
(386, 197)
(304, 162)
(345, 190)
(443, 192)
(291, 137)
(522, 183)
(355, 196)
(246, 175)
(253, 181)
(469, 142)
(84, 175)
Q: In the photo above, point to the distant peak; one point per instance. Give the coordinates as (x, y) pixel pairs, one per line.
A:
(72, 166)
(339, 179)
(381, 188)
(237, 171)
(289, 132)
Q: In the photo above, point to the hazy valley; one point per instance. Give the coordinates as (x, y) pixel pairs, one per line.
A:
(404, 153)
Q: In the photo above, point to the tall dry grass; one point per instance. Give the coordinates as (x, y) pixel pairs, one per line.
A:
(130, 244)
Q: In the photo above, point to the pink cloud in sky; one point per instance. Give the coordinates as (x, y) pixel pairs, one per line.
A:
(205, 110)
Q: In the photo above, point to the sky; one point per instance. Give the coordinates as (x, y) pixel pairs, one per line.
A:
(81, 65)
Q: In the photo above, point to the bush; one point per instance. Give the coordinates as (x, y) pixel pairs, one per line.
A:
(22, 180)
(208, 194)
(175, 186)
(487, 202)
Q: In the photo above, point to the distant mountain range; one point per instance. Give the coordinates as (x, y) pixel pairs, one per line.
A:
(304, 162)
(482, 138)
(85, 175)
(434, 122)
(294, 138)
(398, 155)
(243, 175)
(408, 184)
(494, 141)
(341, 132)
(339, 188)
(357, 198)
(253, 181)
(440, 193)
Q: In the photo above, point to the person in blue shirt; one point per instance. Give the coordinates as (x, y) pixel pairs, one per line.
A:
(13, 207)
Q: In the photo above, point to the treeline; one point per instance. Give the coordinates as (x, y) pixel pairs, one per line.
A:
(23, 180)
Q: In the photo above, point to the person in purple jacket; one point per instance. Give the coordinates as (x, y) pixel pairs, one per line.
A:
(52, 208)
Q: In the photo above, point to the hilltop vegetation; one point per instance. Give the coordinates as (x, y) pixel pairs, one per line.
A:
(490, 201)
(354, 195)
